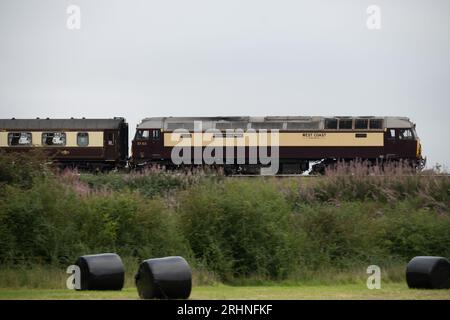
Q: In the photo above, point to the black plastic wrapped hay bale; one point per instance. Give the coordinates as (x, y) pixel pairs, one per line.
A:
(101, 272)
(164, 278)
(428, 273)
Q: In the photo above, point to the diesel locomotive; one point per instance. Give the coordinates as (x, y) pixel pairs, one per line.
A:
(299, 140)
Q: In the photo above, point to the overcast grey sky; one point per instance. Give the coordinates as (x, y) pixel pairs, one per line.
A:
(140, 58)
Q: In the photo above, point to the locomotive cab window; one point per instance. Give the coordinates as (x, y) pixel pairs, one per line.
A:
(156, 134)
(391, 133)
(331, 123)
(405, 134)
(361, 124)
(82, 139)
(54, 138)
(142, 135)
(19, 138)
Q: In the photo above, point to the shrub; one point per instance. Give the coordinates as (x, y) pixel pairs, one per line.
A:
(19, 168)
(409, 232)
(338, 237)
(131, 225)
(52, 224)
(239, 229)
(37, 222)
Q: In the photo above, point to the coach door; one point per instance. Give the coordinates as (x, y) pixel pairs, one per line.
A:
(110, 144)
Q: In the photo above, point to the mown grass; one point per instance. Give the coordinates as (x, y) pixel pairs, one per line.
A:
(357, 291)
(53, 277)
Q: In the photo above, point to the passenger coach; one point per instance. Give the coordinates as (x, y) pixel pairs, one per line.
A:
(97, 144)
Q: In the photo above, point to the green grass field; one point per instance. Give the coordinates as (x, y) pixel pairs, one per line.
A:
(349, 291)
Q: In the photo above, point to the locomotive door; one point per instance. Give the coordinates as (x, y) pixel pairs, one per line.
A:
(390, 143)
(110, 144)
(156, 143)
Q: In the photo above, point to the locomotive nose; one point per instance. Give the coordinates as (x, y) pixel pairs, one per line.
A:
(419, 149)
(421, 161)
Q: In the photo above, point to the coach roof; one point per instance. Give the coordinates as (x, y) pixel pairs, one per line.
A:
(60, 124)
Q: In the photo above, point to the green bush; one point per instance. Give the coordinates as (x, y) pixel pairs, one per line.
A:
(239, 229)
(53, 224)
(409, 232)
(130, 225)
(37, 221)
(338, 237)
(19, 168)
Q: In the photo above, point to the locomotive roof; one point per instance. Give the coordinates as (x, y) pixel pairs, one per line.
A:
(65, 124)
(165, 122)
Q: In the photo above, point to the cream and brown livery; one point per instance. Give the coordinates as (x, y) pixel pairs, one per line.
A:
(300, 139)
(103, 143)
(83, 143)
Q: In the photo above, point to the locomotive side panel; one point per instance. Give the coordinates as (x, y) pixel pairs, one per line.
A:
(343, 138)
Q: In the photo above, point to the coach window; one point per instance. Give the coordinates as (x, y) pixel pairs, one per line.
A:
(82, 139)
(110, 139)
(54, 138)
(156, 134)
(345, 124)
(376, 124)
(19, 138)
(361, 124)
(405, 134)
(331, 123)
